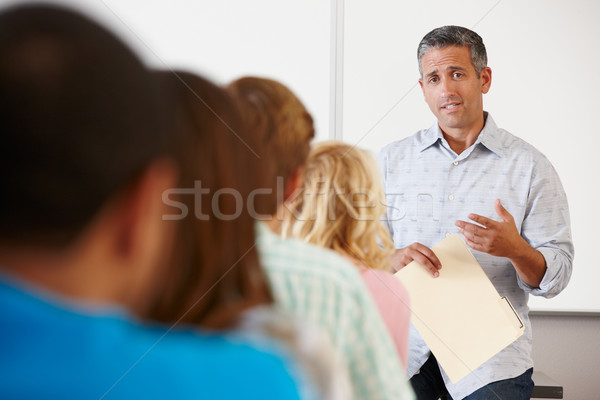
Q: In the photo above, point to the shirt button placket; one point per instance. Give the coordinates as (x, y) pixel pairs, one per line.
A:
(451, 197)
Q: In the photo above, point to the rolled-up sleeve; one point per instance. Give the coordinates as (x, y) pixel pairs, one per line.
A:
(547, 228)
(559, 266)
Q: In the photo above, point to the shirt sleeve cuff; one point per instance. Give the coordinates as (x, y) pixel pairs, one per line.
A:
(550, 277)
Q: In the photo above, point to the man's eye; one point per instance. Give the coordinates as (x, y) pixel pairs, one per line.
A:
(433, 79)
(457, 75)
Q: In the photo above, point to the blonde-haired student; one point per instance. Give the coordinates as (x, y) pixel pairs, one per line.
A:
(340, 208)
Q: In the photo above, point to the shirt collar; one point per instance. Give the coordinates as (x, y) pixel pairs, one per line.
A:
(261, 229)
(487, 137)
(430, 137)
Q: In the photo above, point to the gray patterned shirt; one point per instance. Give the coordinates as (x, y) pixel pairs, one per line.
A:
(428, 187)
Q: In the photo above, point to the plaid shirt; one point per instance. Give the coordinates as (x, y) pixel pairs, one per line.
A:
(324, 289)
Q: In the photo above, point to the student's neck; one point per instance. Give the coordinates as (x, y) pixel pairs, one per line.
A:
(59, 271)
(81, 272)
(275, 225)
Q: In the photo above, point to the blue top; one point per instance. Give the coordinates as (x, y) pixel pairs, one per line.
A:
(428, 187)
(52, 349)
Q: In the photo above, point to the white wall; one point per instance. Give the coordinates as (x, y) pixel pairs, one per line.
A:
(223, 40)
(544, 57)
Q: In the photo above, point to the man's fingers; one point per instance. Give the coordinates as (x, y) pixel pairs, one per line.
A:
(481, 220)
(467, 228)
(501, 211)
(424, 256)
(475, 236)
(424, 261)
(427, 252)
(397, 261)
(473, 245)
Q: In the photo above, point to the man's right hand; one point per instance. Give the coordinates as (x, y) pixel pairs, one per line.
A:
(419, 253)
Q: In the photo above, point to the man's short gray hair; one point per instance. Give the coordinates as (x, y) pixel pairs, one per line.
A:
(452, 35)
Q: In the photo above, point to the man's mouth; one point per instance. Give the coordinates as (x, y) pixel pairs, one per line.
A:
(450, 106)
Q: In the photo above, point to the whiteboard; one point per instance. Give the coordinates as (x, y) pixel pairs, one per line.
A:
(544, 57)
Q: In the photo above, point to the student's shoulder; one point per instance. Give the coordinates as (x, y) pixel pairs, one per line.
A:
(222, 364)
(384, 283)
(298, 258)
(111, 352)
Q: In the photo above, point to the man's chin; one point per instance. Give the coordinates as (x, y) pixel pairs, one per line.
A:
(450, 122)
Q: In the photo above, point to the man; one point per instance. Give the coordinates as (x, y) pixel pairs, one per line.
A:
(465, 174)
(313, 283)
(83, 246)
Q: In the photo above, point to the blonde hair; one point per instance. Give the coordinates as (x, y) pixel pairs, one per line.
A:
(341, 204)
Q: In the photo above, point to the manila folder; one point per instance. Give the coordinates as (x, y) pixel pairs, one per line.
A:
(459, 314)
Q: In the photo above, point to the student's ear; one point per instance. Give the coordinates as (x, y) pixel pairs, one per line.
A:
(294, 184)
(143, 240)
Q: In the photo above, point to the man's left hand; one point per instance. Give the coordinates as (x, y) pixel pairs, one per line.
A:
(502, 239)
(498, 238)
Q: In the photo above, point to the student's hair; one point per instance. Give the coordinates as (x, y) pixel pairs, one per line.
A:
(280, 128)
(215, 273)
(341, 205)
(452, 35)
(79, 120)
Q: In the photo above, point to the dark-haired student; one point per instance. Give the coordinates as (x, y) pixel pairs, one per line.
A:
(83, 246)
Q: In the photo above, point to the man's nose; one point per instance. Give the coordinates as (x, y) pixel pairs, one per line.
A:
(448, 88)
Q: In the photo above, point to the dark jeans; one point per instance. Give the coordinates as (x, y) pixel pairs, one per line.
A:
(429, 385)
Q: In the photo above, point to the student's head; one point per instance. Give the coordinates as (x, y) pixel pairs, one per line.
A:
(215, 273)
(79, 122)
(82, 158)
(458, 36)
(280, 127)
(341, 205)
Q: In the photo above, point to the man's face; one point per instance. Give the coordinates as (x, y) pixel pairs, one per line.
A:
(452, 89)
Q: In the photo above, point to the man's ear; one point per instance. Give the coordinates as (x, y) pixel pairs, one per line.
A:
(486, 79)
(294, 184)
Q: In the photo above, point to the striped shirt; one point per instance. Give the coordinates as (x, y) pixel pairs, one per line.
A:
(320, 286)
(428, 187)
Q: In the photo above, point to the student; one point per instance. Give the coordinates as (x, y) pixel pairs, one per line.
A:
(215, 232)
(339, 208)
(83, 246)
(465, 175)
(313, 283)
(216, 281)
